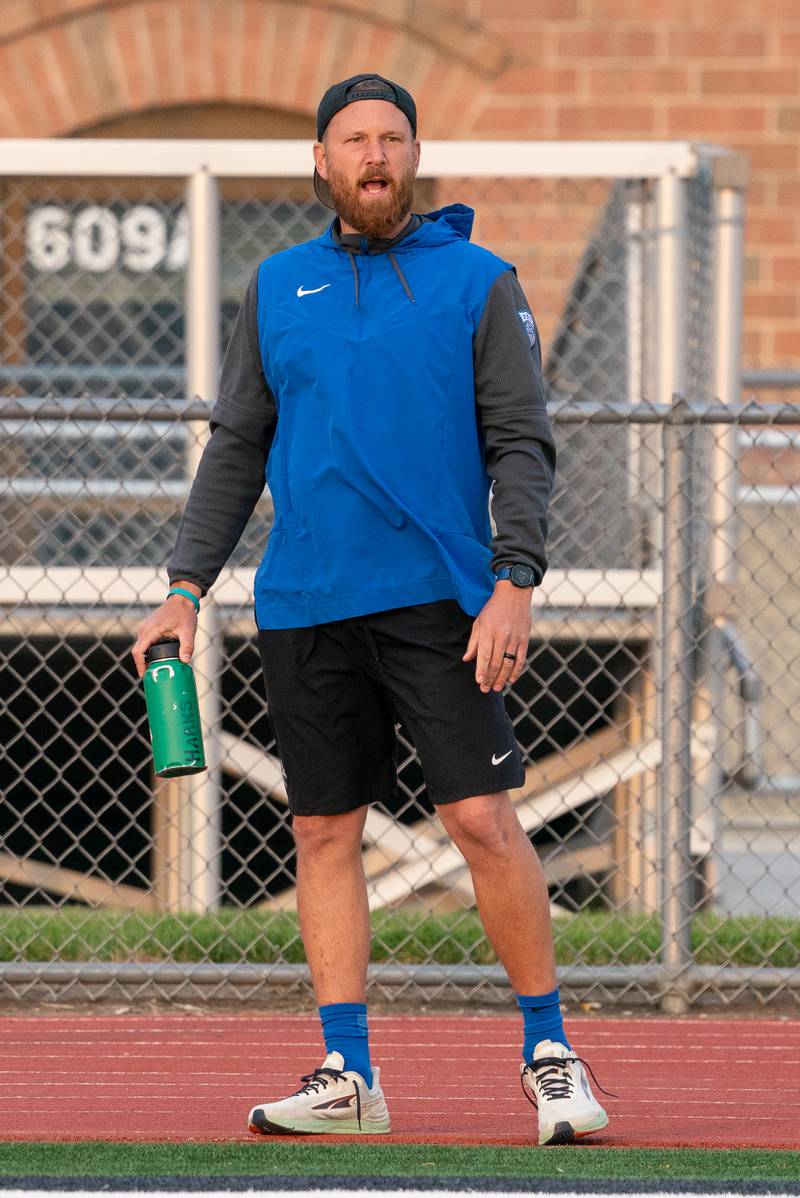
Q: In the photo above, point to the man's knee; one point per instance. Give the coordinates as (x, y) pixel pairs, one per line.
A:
(482, 824)
(331, 835)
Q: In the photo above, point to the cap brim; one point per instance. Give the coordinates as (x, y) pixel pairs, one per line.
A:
(323, 191)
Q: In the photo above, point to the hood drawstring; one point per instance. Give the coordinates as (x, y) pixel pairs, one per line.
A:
(352, 254)
(401, 277)
(352, 258)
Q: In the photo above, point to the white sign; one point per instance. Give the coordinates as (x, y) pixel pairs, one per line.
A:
(97, 239)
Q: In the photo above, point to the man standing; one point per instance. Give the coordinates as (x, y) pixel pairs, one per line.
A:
(383, 375)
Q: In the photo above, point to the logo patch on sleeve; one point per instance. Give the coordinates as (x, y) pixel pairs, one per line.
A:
(529, 325)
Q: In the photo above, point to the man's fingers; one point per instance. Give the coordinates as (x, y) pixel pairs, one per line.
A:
(518, 664)
(146, 639)
(162, 625)
(186, 636)
(472, 647)
(483, 672)
(498, 666)
(138, 659)
(512, 665)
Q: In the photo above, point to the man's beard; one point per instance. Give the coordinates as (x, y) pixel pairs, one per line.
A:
(374, 216)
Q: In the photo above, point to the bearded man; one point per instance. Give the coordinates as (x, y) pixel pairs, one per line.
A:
(382, 377)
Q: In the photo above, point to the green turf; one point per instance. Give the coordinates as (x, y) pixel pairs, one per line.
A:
(338, 1158)
(591, 937)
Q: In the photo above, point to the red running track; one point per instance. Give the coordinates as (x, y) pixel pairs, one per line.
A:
(682, 1083)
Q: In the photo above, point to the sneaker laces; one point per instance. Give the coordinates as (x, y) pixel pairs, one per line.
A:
(556, 1080)
(318, 1080)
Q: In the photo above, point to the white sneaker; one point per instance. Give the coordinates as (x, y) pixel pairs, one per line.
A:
(331, 1101)
(555, 1082)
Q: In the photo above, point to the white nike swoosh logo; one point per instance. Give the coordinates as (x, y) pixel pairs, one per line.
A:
(312, 291)
(496, 760)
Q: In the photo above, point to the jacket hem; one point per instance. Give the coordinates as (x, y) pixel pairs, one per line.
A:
(273, 614)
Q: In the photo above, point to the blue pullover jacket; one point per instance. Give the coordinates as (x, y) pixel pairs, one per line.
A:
(377, 469)
(381, 387)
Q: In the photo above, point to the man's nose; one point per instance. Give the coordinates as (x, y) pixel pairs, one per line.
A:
(376, 150)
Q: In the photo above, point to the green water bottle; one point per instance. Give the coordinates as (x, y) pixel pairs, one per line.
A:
(173, 712)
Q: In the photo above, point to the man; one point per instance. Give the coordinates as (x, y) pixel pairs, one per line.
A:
(382, 375)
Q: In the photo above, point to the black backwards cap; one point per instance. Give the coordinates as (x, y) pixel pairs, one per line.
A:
(359, 87)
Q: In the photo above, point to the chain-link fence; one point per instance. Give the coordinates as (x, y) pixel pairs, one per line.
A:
(655, 714)
(625, 665)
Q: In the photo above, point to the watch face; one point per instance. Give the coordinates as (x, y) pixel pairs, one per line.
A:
(522, 576)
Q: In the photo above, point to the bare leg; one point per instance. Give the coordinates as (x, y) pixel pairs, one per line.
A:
(509, 887)
(332, 904)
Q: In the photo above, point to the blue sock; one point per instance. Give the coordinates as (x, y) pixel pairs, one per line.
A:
(344, 1026)
(541, 1014)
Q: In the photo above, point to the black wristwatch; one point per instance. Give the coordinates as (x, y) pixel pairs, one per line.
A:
(520, 575)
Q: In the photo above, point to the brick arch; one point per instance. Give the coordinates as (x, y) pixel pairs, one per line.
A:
(97, 61)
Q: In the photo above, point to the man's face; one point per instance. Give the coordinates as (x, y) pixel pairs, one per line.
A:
(369, 160)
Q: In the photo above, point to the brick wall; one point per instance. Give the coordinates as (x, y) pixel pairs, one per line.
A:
(712, 70)
(726, 71)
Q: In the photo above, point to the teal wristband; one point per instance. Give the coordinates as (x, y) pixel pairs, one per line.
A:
(187, 594)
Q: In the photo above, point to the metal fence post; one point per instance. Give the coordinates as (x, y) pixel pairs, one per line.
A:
(203, 848)
(728, 283)
(671, 272)
(675, 687)
(672, 680)
(644, 474)
(729, 210)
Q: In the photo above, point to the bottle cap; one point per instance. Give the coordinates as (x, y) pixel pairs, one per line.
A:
(162, 650)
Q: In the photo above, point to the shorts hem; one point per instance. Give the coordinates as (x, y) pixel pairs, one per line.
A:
(471, 791)
(329, 806)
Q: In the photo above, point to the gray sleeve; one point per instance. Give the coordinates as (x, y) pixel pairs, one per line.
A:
(519, 446)
(231, 474)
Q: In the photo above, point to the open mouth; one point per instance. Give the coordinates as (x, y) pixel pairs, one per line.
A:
(375, 186)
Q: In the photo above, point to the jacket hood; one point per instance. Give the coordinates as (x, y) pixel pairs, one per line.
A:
(455, 221)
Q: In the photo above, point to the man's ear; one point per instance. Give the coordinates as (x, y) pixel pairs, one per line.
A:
(320, 160)
(416, 154)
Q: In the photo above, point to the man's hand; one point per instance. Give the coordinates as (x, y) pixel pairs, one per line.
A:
(177, 619)
(502, 626)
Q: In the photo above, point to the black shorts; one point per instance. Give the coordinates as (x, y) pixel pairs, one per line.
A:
(336, 691)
